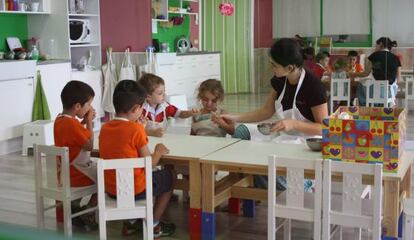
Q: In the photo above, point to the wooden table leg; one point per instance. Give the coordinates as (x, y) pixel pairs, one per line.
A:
(391, 209)
(194, 213)
(208, 215)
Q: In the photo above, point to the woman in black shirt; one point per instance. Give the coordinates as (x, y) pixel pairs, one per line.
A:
(384, 65)
(297, 97)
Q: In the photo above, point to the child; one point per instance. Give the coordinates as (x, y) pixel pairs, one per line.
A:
(208, 122)
(125, 137)
(76, 99)
(353, 66)
(322, 64)
(156, 109)
(340, 67)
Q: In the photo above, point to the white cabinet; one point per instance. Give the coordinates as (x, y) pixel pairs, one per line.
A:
(54, 78)
(184, 74)
(16, 98)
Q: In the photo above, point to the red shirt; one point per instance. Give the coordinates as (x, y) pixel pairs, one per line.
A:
(158, 112)
(318, 71)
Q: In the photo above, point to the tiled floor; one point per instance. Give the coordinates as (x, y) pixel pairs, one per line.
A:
(17, 201)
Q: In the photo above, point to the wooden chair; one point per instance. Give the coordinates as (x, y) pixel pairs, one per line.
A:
(380, 94)
(340, 91)
(294, 203)
(48, 186)
(125, 206)
(349, 209)
(409, 90)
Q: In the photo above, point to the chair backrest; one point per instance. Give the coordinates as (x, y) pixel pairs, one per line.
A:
(124, 183)
(340, 91)
(377, 92)
(53, 173)
(294, 206)
(350, 213)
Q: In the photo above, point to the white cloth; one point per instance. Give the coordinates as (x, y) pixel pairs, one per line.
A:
(128, 70)
(110, 81)
(294, 137)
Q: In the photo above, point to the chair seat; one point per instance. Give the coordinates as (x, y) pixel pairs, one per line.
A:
(75, 192)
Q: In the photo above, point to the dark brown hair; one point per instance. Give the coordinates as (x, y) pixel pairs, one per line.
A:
(213, 86)
(76, 92)
(127, 94)
(150, 82)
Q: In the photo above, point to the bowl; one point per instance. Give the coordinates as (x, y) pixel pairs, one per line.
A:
(264, 128)
(315, 144)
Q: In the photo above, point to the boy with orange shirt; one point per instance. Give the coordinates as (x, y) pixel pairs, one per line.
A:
(125, 137)
(76, 99)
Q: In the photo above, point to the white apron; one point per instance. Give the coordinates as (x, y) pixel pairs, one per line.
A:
(83, 163)
(152, 124)
(293, 113)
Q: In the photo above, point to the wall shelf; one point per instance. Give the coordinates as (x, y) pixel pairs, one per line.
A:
(83, 15)
(85, 45)
(25, 12)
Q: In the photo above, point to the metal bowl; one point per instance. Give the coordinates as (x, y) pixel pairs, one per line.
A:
(264, 128)
(315, 144)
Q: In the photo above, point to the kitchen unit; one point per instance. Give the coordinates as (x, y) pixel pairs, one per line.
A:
(183, 73)
(16, 98)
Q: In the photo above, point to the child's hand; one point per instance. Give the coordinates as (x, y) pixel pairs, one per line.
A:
(229, 118)
(158, 132)
(89, 116)
(143, 120)
(161, 149)
(195, 111)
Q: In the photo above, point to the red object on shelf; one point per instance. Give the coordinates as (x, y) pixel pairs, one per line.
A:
(11, 5)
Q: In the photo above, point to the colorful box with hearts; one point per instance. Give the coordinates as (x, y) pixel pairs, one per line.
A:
(365, 134)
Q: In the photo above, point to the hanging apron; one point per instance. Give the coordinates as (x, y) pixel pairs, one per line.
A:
(203, 126)
(293, 113)
(83, 163)
(153, 124)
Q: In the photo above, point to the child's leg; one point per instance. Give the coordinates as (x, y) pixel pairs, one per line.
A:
(163, 182)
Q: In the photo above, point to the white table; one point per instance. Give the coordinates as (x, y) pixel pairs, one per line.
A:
(252, 158)
(186, 150)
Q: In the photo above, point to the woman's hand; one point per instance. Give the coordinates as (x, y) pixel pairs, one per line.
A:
(284, 125)
(228, 118)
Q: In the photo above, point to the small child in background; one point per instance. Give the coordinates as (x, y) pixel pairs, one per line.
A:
(76, 99)
(340, 68)
(322, 65)
(208, 121)
(156, 109)
(353, 65)
(125, 137)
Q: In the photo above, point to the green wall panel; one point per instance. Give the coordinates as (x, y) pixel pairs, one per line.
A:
(12, 25)
(171, 34)
(232, 36)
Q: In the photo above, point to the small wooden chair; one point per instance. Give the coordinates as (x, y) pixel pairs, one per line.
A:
(349, 209)
(125, 206)
(294, 203)
(340, 91)
(47, 186)
(379, 92)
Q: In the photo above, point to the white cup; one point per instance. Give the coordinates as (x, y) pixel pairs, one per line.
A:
(34, 6)
(22, 7)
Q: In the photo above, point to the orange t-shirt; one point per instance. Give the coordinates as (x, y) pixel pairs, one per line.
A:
(69, 132)
(122, 139)
(358, 68)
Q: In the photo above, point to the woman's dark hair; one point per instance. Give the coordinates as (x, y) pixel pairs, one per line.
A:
(386, 43)
(286, 51)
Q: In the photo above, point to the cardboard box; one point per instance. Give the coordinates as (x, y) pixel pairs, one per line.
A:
(369, 135)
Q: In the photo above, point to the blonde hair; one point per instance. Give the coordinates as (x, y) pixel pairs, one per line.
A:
(211, 85)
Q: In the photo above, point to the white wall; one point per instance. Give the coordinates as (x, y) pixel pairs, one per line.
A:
(394, 19)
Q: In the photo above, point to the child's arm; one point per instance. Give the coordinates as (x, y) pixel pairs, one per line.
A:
(188, 113)
(160, 149)
(158, 132)
(227, 125)
(90, 115)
